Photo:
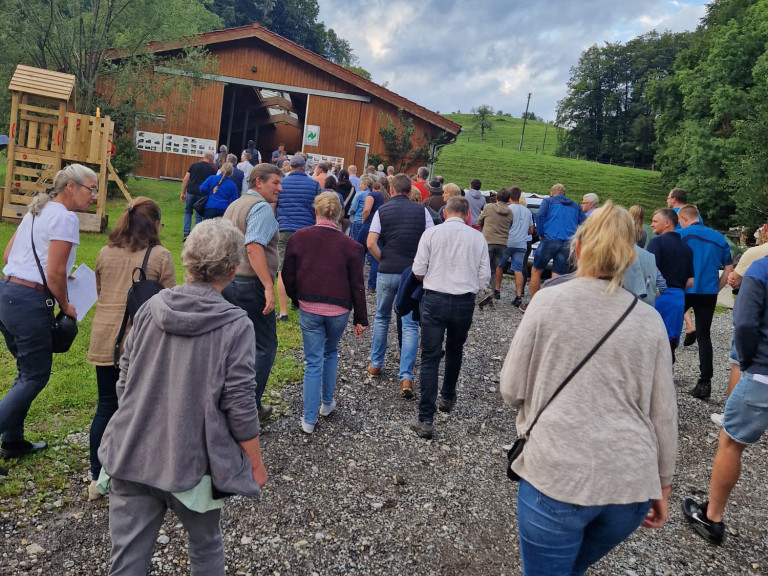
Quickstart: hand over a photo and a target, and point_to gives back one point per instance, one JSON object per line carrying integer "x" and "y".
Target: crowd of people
{"x": 185, "y": 434}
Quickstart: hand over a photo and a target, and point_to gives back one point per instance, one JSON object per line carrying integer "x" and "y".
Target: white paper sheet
{"x": 81, "y": 288}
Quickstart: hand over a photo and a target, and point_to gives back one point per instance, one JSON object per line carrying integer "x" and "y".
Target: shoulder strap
{"x": 49, "y": 301}
{"x": 584, "y": 361}
{"x": 124, "y": 323}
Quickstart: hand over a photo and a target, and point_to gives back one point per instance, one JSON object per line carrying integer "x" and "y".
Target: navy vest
{"x": 402, "y": 224}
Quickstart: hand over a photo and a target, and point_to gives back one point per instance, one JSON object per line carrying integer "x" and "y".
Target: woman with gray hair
{"x": 48, "y": 232}
{"x": 186, "y": 432}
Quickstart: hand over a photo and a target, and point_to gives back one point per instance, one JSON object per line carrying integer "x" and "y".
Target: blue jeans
{"x": 25, "y": 323}
{"x": 442, "y": 315}
{"x": 188, "y": 211}
{"x": 106, "y": 382}
{"x": 556, "y": 250}
{"x": 386, "y": 290}
{"x": 321, "y": 335}
{"x": 561, "y": 538}
{"x": 248, "y": 294}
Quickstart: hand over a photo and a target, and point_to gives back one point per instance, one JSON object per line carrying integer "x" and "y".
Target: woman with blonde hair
{"x": 591, "y": 369}
{"x": 221, "y": 192}
{"x": 134, "y": 242}
{"x": 38, "y": 258}
{"x": 638, "y": 215}
{"x": 323, "y": 270}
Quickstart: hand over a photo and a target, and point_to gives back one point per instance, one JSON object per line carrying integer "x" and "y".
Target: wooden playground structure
{"x": 44, "y": 137}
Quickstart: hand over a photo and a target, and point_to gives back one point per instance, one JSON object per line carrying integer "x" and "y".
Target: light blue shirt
{"x": 260, "y": 224}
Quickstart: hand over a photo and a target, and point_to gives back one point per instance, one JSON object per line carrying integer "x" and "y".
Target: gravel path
{"x": 364, "y": 495}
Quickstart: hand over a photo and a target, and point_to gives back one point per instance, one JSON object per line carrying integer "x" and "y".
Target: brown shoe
{"x": 406, "y": 389}
{"x": 373, "y": 371}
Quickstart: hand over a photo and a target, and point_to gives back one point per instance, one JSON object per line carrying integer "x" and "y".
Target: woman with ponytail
{"x": 136, "y": 233}
{"x": 221, "y": 192}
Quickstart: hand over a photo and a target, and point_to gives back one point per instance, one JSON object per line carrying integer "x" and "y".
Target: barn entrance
{"x": 268, "y": 117}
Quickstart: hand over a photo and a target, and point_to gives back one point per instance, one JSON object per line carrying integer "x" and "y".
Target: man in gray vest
{"x": 253, "y": 287}
{"x": 399, "y": 225}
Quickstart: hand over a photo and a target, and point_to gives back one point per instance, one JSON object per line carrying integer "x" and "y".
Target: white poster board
{"x": 149, "y": 141}
{"x": 187, "y": 145}
{"x": 333, "y": 160}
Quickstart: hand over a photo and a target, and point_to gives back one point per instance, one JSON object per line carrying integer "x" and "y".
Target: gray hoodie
{"x": 476, "y": 203}
{"x": 186, "y": 395}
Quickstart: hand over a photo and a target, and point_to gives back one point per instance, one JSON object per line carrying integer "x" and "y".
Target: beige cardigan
{"x": 114, "y": 267}
{"x": 610, "y": 436}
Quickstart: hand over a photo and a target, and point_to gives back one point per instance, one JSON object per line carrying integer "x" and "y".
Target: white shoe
{"x": 93, "y": 491}
{"x": 717, "y": 419}
{"x": 326, "y": 409}
{"x": 307, "y": 428}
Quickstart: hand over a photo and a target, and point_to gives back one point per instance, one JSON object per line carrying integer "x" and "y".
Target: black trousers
{"x": 703, "y": 310}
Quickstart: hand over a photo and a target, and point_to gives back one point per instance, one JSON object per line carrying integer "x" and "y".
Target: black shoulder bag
{"x": 63, "y": 328}
{"x": 140, "y": 291}
{"x": 519, "y": 444}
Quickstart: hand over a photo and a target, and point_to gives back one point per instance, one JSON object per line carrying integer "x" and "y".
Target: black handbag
{"x": 63, "y": 327}
{"x": 517, "y": 446}
{"x": 199, "y": 205}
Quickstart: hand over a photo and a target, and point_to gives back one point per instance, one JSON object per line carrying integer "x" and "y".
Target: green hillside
{"x": 500, "y": 166}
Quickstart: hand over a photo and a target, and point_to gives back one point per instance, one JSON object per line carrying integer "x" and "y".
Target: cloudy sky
{"x": 450, "y": 55}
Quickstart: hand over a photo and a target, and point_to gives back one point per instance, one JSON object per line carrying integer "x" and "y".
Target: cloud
{"x": 449, "y": 55}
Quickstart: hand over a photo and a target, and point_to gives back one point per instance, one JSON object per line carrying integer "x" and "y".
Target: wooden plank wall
{"x": 342, "y": 122}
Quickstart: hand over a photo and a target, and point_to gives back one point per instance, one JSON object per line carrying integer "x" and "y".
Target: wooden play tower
{"x": 44, "y": 137}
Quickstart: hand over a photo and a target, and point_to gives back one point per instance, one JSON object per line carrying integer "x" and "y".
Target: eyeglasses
{"x": 91, "y": 189}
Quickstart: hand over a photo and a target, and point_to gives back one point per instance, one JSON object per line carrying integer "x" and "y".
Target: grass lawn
{"x": 500, "y": 166}
{"x": 68, "y": 402}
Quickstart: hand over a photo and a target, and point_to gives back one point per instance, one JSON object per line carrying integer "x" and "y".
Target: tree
{"x": 482, "y": 119}
{"x": 531, "y": 116}
{"x": 295, "y": 20}
{"x": 402, "y": 150}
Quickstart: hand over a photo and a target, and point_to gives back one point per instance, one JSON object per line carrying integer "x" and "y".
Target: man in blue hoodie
{"x": 556, "y": 222}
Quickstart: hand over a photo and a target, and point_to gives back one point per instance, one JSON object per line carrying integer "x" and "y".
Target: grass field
{"x": 500, "y": 166}
{"x": 67, "y": 403}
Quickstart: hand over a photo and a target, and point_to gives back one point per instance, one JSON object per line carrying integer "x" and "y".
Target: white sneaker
{"x": 326, "y": 409}
{"x": 307, "y": 428}
{"x": 717, "y": 419}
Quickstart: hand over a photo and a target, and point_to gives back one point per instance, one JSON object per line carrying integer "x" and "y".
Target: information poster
{"x": 149, "y": 141}
{"x": 187, "y": 145}
{"x": 334, "y": 160}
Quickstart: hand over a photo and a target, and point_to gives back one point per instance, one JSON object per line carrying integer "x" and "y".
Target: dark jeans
{"x": 106, "y": 382}
{"x": 26, "y": 326}
{"x": 703, "y": 310}
{"x": 442, "y": 315}
{"x": 213, "y": 213}
{"x": 248, "y": 294}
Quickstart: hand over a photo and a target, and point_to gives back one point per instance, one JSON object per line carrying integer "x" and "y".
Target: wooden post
{"x": 11, "y": 149}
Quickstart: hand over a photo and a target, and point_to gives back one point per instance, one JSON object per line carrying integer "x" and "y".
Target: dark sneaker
{"x": 523, "y": 307}
{"x": 702, "y": 390}
{"x": 690, "y": 338}
{"x": 282, "y": 317}
{"x": 294, "y": 305}
{"x": 445, "y": 404}
{"x": 517, "y": 302}
{"x": 485, "y": 300}
{"x": 21, "y": 448}
{"x": 422, "y": 429}
{"x": 696, "y": 514}
{"x": 496, "y": 295}
{"x": 265, "y": 411}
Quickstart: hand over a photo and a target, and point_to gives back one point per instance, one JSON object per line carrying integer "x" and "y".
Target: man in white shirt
{"x": 246, "y": 166}
{"x": 452, "y": 261}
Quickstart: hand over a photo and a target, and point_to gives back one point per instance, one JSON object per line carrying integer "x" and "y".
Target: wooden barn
{"x": 272, "y": 91}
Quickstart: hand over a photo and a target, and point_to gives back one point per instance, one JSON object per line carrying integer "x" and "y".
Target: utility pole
{"x": 525, "y": 117}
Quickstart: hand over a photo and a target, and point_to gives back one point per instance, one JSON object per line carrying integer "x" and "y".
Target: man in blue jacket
{"x": 710, "y": 253}
{"x": 295, "y": 210}
{"x": 746, "y": 416}
{"x": 556, "y": 222}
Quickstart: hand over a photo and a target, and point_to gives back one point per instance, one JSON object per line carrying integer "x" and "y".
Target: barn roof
{"x": 256, "y": 31}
